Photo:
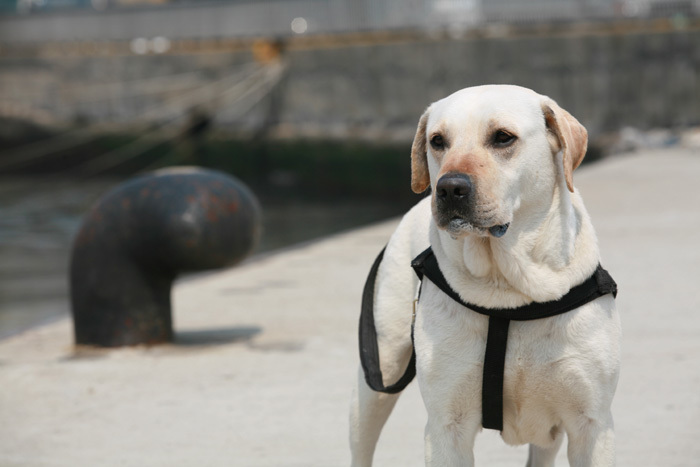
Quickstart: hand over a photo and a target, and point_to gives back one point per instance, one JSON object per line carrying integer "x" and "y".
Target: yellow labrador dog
{"x": 507, "y": 228}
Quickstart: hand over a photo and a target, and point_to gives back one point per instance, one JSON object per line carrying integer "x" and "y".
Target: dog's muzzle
{"x": 455, "y": 202}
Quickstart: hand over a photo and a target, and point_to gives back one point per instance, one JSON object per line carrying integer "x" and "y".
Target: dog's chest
{"x": 544, "y": 369}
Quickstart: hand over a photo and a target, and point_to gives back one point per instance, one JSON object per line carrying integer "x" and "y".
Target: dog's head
{"x": 489, "y": 151}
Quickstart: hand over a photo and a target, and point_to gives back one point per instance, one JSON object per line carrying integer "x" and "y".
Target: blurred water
{"x": 38, "y": 219}
{"x": 37, "y": 222}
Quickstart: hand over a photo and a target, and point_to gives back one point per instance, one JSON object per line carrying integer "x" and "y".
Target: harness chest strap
{"x": 426, "y": 265}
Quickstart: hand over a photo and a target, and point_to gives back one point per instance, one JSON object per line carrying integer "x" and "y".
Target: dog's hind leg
{"x": 544, "y": 457}
{"x": 369, "y": 411}
{"x": 394, "y": 291}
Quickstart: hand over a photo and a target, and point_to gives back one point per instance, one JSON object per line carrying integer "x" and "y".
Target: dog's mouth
{"x": 458, "y": 226}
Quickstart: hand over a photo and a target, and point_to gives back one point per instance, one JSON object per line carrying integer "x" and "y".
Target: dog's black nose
{"x": 453, "y": 188}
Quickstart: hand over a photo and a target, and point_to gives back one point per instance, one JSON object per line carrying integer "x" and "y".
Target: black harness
{"x": 426, "y": 265}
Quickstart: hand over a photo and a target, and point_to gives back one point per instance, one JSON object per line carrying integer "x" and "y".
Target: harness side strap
{"x": 369, "y": 349}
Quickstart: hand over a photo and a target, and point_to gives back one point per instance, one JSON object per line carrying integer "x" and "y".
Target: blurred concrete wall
{"x": 354, "y": 87}
{"x": 606, "y": 80}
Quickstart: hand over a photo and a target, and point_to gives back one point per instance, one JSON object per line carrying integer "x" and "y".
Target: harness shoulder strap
{"x": 599, "y": 284}
{"x": 369, "y": 349}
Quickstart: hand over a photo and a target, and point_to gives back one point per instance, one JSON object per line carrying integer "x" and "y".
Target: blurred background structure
{"x": 339, "y": 68}
{"x": 313, "y": 103}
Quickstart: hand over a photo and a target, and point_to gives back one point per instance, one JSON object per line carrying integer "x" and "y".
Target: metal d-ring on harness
{"x": 426, "y": 265}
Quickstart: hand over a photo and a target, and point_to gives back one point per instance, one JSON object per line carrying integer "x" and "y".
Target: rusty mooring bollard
{"x": 139, "y": 236}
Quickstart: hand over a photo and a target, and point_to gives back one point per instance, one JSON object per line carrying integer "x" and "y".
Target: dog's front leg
{"x": 545, "y": 456}
{"x": 592, "y": 442}
{"x": 450, "y": 442}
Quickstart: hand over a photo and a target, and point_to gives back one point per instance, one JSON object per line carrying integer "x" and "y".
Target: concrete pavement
{"x": 266, "y": 353}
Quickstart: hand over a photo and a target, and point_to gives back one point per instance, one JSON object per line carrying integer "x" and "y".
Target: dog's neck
{"x": 545, "y": 253}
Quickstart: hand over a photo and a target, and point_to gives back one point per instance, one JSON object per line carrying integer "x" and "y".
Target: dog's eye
{"x": 503, "y": 138}
{"x": 437, "y": 142}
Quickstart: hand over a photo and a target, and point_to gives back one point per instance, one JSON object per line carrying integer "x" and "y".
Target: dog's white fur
{"x": 560, "y": 372}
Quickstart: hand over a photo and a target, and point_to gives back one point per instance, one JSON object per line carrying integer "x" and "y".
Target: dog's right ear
{"x": 420, "y": 177}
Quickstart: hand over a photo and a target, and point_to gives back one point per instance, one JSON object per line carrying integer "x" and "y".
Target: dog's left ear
{"x": 420, "y": 177}
{"x": 572, "y": 136}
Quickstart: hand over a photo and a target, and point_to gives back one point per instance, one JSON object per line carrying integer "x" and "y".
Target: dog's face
{"x": 488, "y": 151}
